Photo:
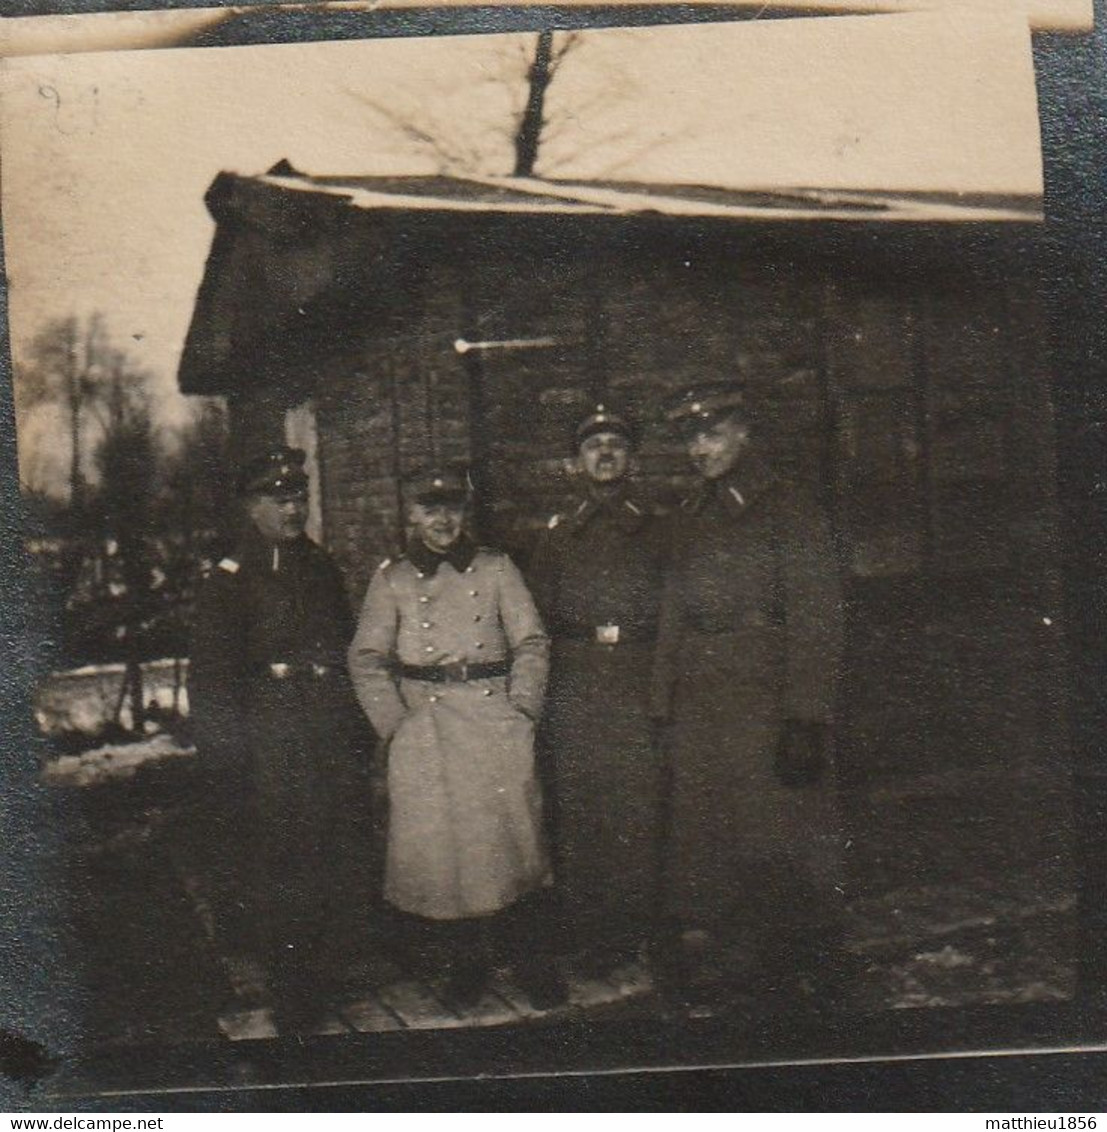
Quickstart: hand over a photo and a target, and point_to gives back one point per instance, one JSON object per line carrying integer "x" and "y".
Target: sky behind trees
{"x": 107, "y": 156}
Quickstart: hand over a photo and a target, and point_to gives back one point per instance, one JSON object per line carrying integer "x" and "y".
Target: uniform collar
{"x": 460, "y": 556}
{"x": 735, "y": 492}
{"x": 616, "y": 506}
{"x": 259, "y": 553}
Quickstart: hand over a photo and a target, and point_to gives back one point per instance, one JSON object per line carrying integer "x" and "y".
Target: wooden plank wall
{"x": 911, "y": 389}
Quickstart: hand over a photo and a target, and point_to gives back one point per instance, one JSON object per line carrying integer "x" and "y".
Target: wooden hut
{"x": 895, "y": 344}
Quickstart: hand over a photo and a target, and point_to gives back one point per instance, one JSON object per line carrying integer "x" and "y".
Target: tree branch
{"x": 409, "y": 128}
{"x": 568, "y": 41}
{"x": 529, "y": 133}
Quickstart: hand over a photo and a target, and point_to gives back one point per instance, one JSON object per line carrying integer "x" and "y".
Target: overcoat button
{"x": 433, "y": 699}
{"x": 429, "y": 648}
{"x": 426, "y": 624}
{"x": 424, "y": 599}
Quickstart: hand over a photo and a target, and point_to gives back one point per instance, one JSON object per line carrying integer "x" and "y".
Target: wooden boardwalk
{"x": 983, "y": 941}
{"x": 412, "y": 1004}
{"x": 391, "y": 999}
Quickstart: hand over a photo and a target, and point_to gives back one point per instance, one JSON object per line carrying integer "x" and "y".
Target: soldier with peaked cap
{"x": 275, "y": 719}
{"x": 596, "y": 574}
{"x": 450, "y": 662}
{"x": 748, "y": 654}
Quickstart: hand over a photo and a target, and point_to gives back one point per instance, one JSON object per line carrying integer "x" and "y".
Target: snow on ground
{"x": 112, "y": 761}
{"x": 84, "y": 699}
{"x": 935, "y": 920}
{"x": 977, "y": 941}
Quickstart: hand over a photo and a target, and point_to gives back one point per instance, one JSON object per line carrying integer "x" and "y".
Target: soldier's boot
{"x": 528, "y": 938}
{"x": 470, "y": 963}
{"x": 299, "y": 1006}
{"x": 299, "y": 979}
{"x": 602, "y": 960}
{"x": 298, "y": 1018}
{"x": 467, "y": 984}
{"x": 615, "y": 942}
{"x": 543, "y": 984}
{"x": 688, "y": 983}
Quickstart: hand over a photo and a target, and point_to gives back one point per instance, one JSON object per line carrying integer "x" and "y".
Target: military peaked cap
{"x": 437, "y": 485}
{"x": 701, "y": 406}
{"x": 603, "y": 420}
{"x": 278, "y": 471}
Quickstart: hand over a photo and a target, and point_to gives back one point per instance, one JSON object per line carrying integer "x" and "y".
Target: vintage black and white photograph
{"x": 551, "y": 540}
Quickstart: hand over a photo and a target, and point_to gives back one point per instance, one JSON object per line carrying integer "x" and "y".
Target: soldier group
{"x": 625, "y": 750}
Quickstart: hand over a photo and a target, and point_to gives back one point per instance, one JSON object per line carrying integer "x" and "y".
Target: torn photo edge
{"x": 1050, "y": 110}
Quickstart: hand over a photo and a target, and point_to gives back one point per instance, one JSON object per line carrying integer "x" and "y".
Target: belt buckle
{"x": 607, "y": 634}
{"x": 457, "y": 670}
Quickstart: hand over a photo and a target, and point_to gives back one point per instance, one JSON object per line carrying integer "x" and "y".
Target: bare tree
{"x": 540, "y": 73}
{"x": 66, "y": 360}
{"x": 525, "y": 76}
{"x": 144, "y": 505}
{"x": 127, "y": 461}
{"x": 197, "y": 496}
{"x": 197, "y": 509}
{"x": 113, "y": 480}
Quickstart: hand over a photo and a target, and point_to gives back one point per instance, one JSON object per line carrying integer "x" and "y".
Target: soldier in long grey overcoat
{"x": 449, "y": 662}
{"x": 276, "y": 725}
{"x": 596, "y": 574}
{"x": 749, "y": 650}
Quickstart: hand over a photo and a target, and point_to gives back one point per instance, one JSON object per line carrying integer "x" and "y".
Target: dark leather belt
{"x": 287, "y": 670}
{"x": 594, "y": 634}
{"x": 456, "y": 672}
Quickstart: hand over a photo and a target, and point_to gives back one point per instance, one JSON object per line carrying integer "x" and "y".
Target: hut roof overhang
{"x": 289, "y": 210}
{"x": 627, "y": 199}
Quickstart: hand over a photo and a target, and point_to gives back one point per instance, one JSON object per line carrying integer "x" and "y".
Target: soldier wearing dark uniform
{"x": 274, "y": 719}
{"x": 596, "y": 574}
{"x": 748, "y": 655}
{"x": 450, "y": 662}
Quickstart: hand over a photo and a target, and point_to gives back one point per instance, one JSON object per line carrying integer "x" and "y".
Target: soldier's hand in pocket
{"x": 524, "y": 712}
{"x": 802, "y": 758}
